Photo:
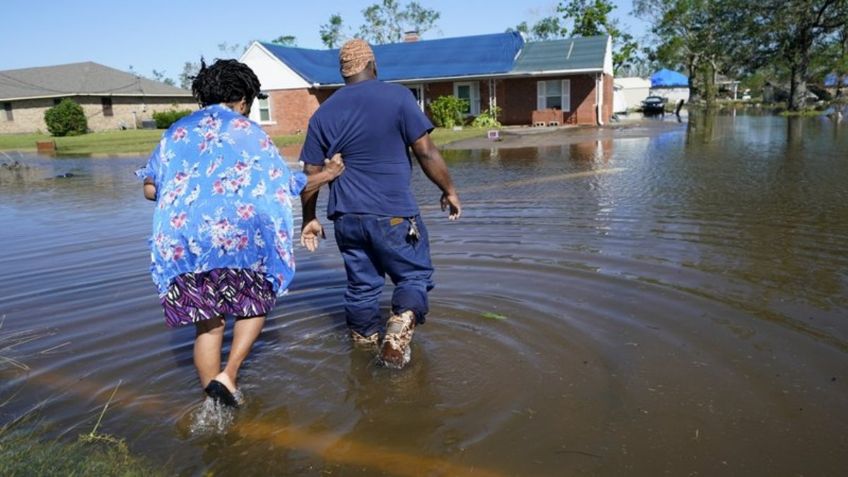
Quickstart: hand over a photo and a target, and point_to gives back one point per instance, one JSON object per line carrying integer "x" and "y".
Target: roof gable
{"x": 80, "y": 79}
{"x": 443, "y": 58}
{"x": 578, "y": 53}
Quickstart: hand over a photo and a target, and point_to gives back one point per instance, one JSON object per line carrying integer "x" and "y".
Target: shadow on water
{"x": 662, "y": 300}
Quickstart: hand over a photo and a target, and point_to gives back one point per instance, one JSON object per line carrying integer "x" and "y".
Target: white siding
{"x": 272, "y": 73}
{"x": 608, "y": 57}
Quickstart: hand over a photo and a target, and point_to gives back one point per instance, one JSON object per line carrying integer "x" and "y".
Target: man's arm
{"x": 436, "y": 170}
{"x": 311, "y": 230}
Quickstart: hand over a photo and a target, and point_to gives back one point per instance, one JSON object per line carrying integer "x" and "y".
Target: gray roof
{"x": 79, "y": 79}
{"x": 578, "y": 53}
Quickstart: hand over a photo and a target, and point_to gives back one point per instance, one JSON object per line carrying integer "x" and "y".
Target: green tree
{"x": 331, "y": 32}
{"x": 592, "y": 18}
{"x": 285, "y": 40}
{"x": 160, "y": 76}
{"x": 387, "y": 21}
{"x": 190, "y": 69}
{"x": 697, "y": 35}
{"x": 792, "y": 35}
{"x": 547, "y": 28}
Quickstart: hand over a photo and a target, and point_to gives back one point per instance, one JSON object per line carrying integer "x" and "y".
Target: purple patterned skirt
{"x": 194, "y": 297}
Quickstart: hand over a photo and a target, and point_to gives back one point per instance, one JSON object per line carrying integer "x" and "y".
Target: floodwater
{"x": 666, "y": 301}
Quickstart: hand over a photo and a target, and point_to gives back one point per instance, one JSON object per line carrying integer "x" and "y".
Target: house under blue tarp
{"x": 830, "y": 80}
{"x": 669, "y": 79}
{"x": 443, "y": 58}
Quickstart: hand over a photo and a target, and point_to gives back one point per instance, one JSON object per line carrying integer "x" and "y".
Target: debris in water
{"x": 493, "y": 316}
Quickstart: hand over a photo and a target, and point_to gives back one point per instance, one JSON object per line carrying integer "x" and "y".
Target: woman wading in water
{"x": 222, "y": 226}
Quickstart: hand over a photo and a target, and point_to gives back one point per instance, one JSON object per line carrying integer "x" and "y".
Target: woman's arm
{"x": 149, "y": 189}
{"x": 332, "y": 168}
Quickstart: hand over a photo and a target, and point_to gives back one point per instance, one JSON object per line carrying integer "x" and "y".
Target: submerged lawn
{"x": 23, "y": 453}
{"x": 144, "y": 140}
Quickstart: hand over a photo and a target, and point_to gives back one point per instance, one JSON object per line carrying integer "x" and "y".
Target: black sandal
{"x": 217, "y": 391}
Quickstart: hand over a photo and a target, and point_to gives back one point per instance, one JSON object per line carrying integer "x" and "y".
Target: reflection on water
{"x": 666, "y": 301}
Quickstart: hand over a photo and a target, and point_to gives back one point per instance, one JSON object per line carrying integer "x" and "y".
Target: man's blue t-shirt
{"x": 372, "y": 124}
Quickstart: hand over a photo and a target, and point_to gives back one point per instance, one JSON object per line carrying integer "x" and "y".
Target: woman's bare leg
{"x": 207, "y": 348}
{"x": 245, "y": 332}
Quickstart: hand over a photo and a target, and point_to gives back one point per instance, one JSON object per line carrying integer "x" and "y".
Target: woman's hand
{"x": 335, "y": 166}
{"x": 310, "y": 234}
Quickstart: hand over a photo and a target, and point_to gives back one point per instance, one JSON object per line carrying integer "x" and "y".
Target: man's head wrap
{"x": 354, "y": 57}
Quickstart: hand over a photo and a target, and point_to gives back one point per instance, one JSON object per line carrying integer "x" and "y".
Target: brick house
{"x": 567, "y": 81}
{"x": 111, "y": 99}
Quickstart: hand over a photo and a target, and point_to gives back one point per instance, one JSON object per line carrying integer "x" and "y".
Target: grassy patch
{"x": 142, "y": 141}
{"x": 807, "y": 112}
{"x": 109, "y": 142}
{"x": 23, "y": 454}
{"x": 442, "y": 136}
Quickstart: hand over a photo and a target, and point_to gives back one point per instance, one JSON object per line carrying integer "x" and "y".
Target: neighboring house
{"x": 671, "y": 85}
{"x": 551, "y": 82}
{"x": 631, "y": 91}
{"x": 111, "y": 99}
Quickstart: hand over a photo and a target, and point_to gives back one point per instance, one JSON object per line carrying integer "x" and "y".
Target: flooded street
{"x": 665, "y": 300}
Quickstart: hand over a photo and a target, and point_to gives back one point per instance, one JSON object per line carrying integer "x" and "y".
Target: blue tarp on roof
{"x": 830, "y": 80}
{"x": 668, "y": 79}
{"x": 443, "y": 58}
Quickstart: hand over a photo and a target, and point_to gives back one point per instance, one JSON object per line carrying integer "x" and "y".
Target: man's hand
{"x": 451, "y": 200}
{"x": 310, "y": 234}
{"x": 335, "y": 166}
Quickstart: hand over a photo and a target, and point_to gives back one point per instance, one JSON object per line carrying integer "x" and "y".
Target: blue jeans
{"x": 372, "y": 247}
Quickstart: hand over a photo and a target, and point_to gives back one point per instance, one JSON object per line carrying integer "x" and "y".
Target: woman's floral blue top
{"x": 223, "y": 199}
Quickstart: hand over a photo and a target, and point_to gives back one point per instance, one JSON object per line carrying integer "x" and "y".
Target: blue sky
{"x": 163, "y": 35}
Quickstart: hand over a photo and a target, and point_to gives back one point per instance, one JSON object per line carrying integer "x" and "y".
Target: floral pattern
{"x": 223, "y": 200}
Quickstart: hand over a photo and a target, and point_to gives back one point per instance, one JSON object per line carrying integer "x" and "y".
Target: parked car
{"x": 653, "y": 105}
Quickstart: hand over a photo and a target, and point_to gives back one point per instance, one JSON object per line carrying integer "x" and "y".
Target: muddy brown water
{"x": 666, "y": 301}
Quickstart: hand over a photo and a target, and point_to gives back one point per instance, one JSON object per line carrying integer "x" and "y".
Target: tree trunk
{"x": 798, "y": 86}
{"x": 694, "y": 91}
{"x": 709, "y": 86}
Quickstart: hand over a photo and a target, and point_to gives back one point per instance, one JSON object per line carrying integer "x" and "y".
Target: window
{"x": 470, "y": 92}
{"x": 553, "y": 94}
{"x": 107, "y": 106}
{"x": 8, "y": 108}
{"x": 264, "y": 109}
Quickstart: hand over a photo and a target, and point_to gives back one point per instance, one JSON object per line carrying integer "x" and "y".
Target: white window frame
{"x": 256, "y": 111}
{"x": 420, "y": 88}
{"x": 565, "y": 94}
{"x": 474, "y": 91}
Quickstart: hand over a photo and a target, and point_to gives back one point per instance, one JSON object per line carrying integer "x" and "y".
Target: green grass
{"x": 111, "y": 142}
{"x": 22, "y": 453}
{"x": 143, "y": 141}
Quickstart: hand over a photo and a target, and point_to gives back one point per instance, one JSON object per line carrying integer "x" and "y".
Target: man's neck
{"x": 359, "y": 78}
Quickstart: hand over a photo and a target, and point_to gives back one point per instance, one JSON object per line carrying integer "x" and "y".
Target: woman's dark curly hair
{"x": 226, "y": 81}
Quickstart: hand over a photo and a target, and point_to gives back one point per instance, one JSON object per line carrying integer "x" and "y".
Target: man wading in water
{"x": 377, "y": 225}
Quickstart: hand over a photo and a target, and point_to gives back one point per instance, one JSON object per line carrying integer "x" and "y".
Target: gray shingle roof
{"x": 579, "y": 53}
{"x": 79, "y": 79}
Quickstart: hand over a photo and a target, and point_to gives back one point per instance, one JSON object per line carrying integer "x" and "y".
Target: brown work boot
{"x": 371, "y": 342}
{"x": 396, "y": 350}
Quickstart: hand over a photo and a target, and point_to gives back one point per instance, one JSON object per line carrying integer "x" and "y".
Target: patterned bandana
{"x": 354, "y": 57}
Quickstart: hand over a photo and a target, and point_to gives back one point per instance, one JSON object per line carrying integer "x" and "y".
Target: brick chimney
{"x": 411, "y": 36}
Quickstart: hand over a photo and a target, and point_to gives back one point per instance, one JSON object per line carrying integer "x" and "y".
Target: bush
{"x": 447, "y": 111}
{"x": 66, "y": 119}
{"x": 164, "y": 119}
{"x": 487, "y": 119}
